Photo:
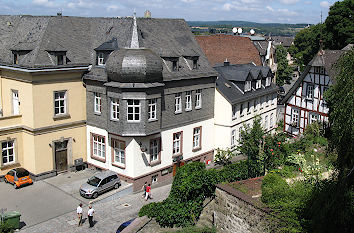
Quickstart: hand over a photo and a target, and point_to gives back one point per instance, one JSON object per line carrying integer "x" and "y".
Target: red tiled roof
{"x": 236, "y": 49}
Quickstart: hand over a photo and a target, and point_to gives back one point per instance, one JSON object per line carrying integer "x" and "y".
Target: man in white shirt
{"x": 79, "y": 214}
{"x": 90, "y": 215}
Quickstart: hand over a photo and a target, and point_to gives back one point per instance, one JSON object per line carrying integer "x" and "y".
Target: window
{"x": 256, "y": 102}
{"x": 316, "y": 69}
{"x": 241, "y": 110}
{"x": 118, "y": 152}
{"x": 177, "y": 143}
{"x": 322, "y": 70}
{"x": 274, "y": 100}
{"x": 114, "y": 109}
{"x": 133, "y": 107}
{"x": 15, "y": 103}
{"x": 313, "y": 118}
{"x": 155, "y": 149}
{"x": 249, "y": 107}
{"x": 60, "y": 59}
{"x": 234, "y": 111}
{"x": 152, "y": 109}
{"x": 266, "y": 122}
{"x": 258, "y": 84}
{"x": 248, "y": 86}
{"x": 233, "y": 137}
{"x": 198, "y": 98}
{"x": 15, "y": 58}
{"x": 295, "y": 117}
{"x": 267, "y": 101}
{"x": 197, "y": 137}
{"x": 97, "y": 102}
{"x": 195, "y": 64}
{"x": 271, "y": 120}
{"x": 262, "y": 102}
{"x": 8, "y": 153}
{"x": 188, "y": 100}
{"x": 174, "y": 65}
{"x": 268, "y": 80}
{"x": 178, "y": 103}
{"x": 154, "y": 179}
{"x": 240, "y": 133}
{"x": 59, "y": 102}
{"x": 309, "y": 92}
{"x": 100, "y": 59}
{"x": 98, "y": 146}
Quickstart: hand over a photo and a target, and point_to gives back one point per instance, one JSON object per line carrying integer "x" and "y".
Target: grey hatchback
{"x": 99, "y": 183}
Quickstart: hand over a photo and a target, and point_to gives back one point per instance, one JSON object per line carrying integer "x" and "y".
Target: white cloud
{"x": 113, "y": 8}
{"x": 80, "y": 4}
{"x": 308, "y": 2}
{"x": 289, "y": 1}
{"x": 287, "y": 12}
{"x": 45, "y": 3}
{"x": 269, "y": 8}
{"x": 187, "y": 1}
{"x": 325, "y": 4}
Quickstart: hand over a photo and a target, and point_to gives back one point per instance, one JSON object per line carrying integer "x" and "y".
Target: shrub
{"x": 195, "y": 229}
{"x": 5, "y": 227}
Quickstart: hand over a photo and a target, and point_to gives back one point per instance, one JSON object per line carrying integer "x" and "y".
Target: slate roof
{"x": 261, "y": 46}
{"x": 230, "y": 82}
{"x": 236, "y": 49}
{"x": 325, "y": 58}
{"x": 80, "y": 36}
{"x": 285, "y": 41}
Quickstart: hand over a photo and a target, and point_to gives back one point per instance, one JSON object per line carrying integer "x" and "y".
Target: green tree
{"x": 284, "y": 71}
{"x": 250, "y": 145}
{"x": 340, "y": 98}
{"x": 340, "y": 24}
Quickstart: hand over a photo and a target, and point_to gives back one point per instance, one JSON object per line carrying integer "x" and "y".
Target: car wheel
{"x": 15, "y": 186}
{"x": 116, "y": 185}
{"x": 6, "y": 181}
{"x": 94, "y": 195}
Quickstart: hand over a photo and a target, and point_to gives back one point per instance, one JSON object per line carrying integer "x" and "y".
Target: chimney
{"x": 226, "y": 62}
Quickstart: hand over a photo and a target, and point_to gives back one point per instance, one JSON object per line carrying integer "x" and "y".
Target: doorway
{"x": 61, "y": 155}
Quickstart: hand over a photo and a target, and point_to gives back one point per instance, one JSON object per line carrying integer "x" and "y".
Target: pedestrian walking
{"x": 79, "y": 214}
{"x": 144, "y": 189}
{"x": 148, "y": 192}
{"x": 90, "y": 215}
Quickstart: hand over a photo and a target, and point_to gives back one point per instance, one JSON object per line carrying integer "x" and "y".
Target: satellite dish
{"x": 252, "y": 31}
{"x": 234, "y": 30}
{"x": 239, "y": 30}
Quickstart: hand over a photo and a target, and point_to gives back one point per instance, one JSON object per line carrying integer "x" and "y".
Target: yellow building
{"x": 42, "y": 127}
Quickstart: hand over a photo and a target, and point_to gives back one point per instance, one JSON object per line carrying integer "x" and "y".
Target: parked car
{"x": 100, "y": 183}
{"x": 18, "y": 177}
{"x": 124, "y": 225}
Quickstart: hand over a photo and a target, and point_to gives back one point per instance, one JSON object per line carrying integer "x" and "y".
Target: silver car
{"x": 99, "y": 183}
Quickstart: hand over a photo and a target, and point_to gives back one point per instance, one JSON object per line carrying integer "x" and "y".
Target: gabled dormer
{"x": 248, "y": 82}
{"x": 103, "y": 51}
{"x": 58, "y": 58}
{"x": 258, "y": 81}
{"x": 172, "y": 63}
{"x": 192, "y": 62}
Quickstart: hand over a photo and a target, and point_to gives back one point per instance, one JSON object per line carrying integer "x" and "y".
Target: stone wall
{"x": 236, "y": 212}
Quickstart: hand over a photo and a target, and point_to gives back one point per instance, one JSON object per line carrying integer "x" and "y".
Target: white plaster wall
{"x": 101, "y": 132}
{"x": 222, "y": 110}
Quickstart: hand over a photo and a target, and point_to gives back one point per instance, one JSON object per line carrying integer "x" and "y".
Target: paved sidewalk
{"x": 108, "y": 215}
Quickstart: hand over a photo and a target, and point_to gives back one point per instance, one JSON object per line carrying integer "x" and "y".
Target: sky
{"x": 260, "y": 11}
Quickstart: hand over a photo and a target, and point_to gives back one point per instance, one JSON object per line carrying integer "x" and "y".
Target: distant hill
{"x": 261, "y": 28}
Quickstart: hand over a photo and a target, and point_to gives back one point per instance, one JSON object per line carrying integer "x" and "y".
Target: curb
{"x": 100, "y": 198}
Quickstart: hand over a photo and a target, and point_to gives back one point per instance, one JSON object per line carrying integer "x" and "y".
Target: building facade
{"x": 304, "y": 102}
{"x": 242, "y": 93}
{"x": 150, "y": 102}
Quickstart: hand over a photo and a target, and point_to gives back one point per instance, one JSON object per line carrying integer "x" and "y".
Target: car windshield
{"x": 22, "y": 173}
{"x": 94, "y": 181}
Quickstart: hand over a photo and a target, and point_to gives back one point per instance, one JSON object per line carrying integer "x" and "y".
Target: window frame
{"x": 7, "y": 152}
{"x": 178, "y": 102}
{"x": 293, "y": 116}
{"x": 156, "y": 161}
{"x": 120, "y": 150}
{"x": 310, "y": 92}
{"x": 65, "y": 99}
{"x": 180, "y": 140}
{"x": 97, "y": 103}
{"x": 233, "y": 137}
{"x": 234, "y": 111}
{"x": 311, "y": 115}
{"x": 266, "y": 122}
{"x": 248, "y": 107}
{"x": 198, "y": 99}
{"x": 258, "y": 83}
{"x": 195, "y": 64}
{"x": 188, "y": 98}
{"x": 199, "y": 146}
{"x": 134, "y": 107}
{"x": 271, "y": 120}
{"x": 241, "y": 110}
{"x": 103, "y": 145}
{"x": 114, "y": 109}
{"x": 268, "y": 81}
{"x": 248, "y": 85}
{"x": 100, "y": 60}
{"x": 152, "y": 109}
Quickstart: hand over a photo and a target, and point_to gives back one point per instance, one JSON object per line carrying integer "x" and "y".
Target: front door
{"x": 61, "y": 156}
{"x": 15, "y": 103}
{"x": 177, "y": 165}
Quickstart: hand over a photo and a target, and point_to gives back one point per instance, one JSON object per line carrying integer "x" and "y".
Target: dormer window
{"x": 100, "y": 59}
{"x": 17, "y": 54}
{"x": 248, "y": 86}
{"x": 268, "y": 80}
{"x": 258, "y": 84}
{"x": 15, "y": 59}
{"x": 195, "y": 64}
{"x": 60, "y": 59}
{"x": 174, "y": 65}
